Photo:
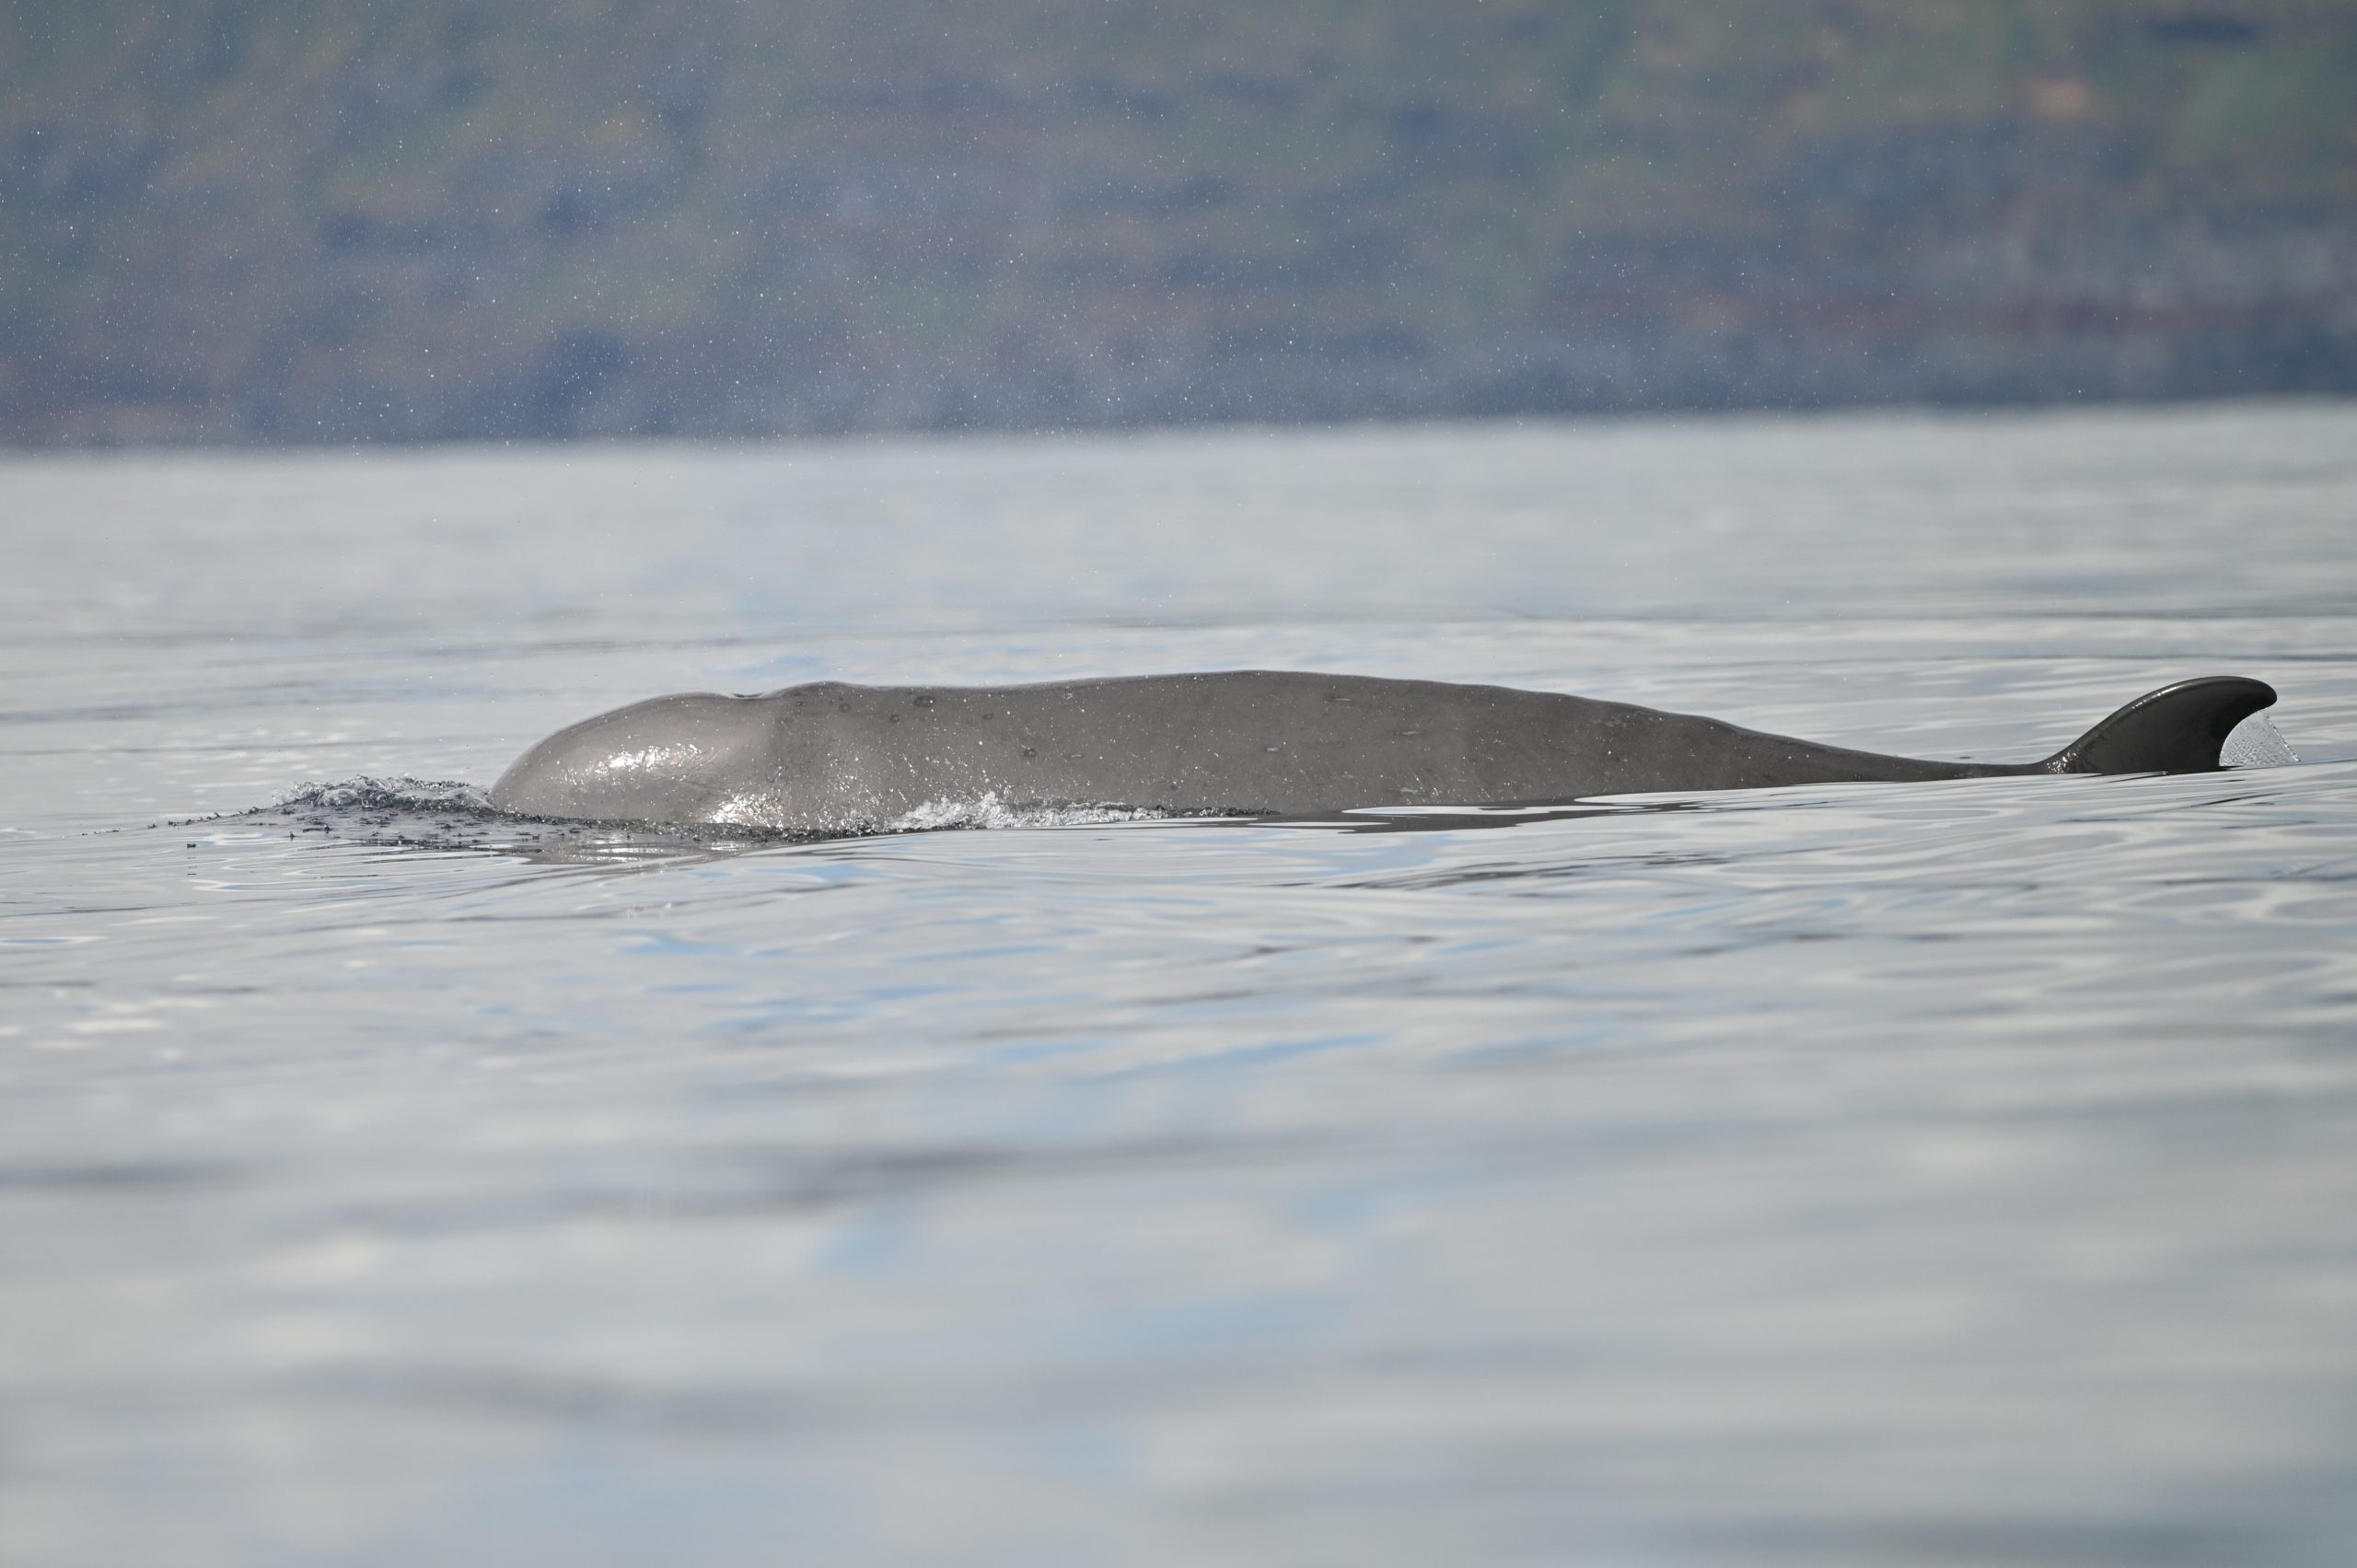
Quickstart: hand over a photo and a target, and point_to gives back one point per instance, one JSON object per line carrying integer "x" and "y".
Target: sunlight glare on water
{"x": 1925, "y": 1174}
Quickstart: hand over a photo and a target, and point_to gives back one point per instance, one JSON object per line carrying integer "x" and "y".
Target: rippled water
{"x": 1938, "y": 1174}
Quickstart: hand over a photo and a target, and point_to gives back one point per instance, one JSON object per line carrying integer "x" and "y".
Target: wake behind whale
{"x": 830, "y": 757}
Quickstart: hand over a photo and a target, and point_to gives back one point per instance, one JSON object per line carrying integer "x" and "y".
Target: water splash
{"x": 990, "y": 811}
{"x": 2256, "y": 743}
{"x": 366, "y": 793}
{"x": 448, "y": 814}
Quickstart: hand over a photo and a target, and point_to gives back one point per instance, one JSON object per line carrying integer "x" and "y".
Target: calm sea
{"x": 1947, "y": 1174}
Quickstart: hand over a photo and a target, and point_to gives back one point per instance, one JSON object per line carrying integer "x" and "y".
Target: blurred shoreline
{"x": 259, "y": 222}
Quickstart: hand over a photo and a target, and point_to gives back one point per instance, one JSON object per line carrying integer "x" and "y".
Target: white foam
{"x": 990, "y": 811}
{"x": 2256, "y": 744}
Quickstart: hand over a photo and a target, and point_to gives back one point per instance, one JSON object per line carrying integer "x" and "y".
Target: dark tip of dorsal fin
{"x": 2178, "y": 729}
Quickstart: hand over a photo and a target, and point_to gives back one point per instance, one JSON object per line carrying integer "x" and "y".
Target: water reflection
{"x": 1918, "y": 1174}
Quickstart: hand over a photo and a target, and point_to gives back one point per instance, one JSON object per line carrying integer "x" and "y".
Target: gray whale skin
{"x": 829, "y": 757}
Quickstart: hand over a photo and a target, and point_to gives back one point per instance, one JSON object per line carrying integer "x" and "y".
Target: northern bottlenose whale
{"x": 835, "y": 758}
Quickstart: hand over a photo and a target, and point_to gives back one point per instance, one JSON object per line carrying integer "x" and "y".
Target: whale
{"x": 833, "y": 758}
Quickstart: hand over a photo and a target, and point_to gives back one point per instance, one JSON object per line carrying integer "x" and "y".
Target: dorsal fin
{"x": 2178, "y": 729}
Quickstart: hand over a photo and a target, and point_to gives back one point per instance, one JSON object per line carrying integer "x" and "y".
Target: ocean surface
{"x": 1938, "y": 1174}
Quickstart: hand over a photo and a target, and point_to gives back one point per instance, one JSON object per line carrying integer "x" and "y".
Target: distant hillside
{"x": 297, "y": 220}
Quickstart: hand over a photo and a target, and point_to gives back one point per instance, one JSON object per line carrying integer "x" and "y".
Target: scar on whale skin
{"x": 833, "y": 757}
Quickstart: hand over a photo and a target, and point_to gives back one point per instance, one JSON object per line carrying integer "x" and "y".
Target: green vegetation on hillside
{"x": 271, "y": 219}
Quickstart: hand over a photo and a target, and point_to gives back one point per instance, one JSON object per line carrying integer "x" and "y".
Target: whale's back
{"x": 837, "y": 758}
